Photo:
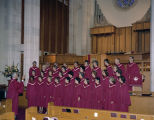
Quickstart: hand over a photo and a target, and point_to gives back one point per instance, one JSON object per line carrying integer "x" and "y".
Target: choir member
{"x": 94, "y": 75}
{"x": 34, "y": 68}
{"x": 97, "y": 95}
{"x": 77, "y": 93}
{"x": 97, "y": 69}
{"x": 124, "y": 97}
{"x": 48, "y": 68}
{"x": 87, "y": 69}
{"x": 71, "y": 75}
{"x": 14, "y": 89}
{"x": 49, "y": 90}
{"x": 118, "y": 74}
{"x": 50, "y": 73}
{"x": 111, "y": 101}
{"x": 55, "y": 72}
{"x": 45, "y": 72}
{"x": 105, "y": 83}
{"x": 81, "y": 76}
{"x": 62, "y": 78}
{"x": 108, "y": 67}
{"x": 120, "y": 66}
{"x": 76, "y": 69}
{"x": 57, "y": 95}
{"x": 68, "y": 93}
{"x": 40, "y": 96}
{"x": 31, "y": 92}
{"x": 64, "y": 71}
{"x": 67, "y": 69}
{"x": 115, "y": 68}
{"x": 82, "y": 69}
{"x": 86, "y": 96}
{"x": 134, "y": 78}
{"x": 34, "y": 75}
{"x": 56, "y": 64}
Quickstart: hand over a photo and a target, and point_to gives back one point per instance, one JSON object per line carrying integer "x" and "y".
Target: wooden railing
{"x": 70, "y": 113}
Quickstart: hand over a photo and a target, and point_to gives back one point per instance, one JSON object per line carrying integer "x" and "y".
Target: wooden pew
{"x": 6, "y": 110}
{"x": 7, "y": 116}
{"x": 70, "y": 113}
{"x": 6, "y": 106}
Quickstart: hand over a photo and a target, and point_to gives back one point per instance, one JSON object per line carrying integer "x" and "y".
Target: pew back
{"x": 70, "y": 113}
{"x": 7, "y": 116}
{"x": 6, "y": 106}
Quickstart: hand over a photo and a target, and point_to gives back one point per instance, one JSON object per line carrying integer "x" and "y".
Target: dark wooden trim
{"x": 56, "y": 29}
{"x": 62, "y": 38}
{"x": 22, "y": 21}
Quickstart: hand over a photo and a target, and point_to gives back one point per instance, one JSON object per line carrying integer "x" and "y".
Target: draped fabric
{"x": 151, "y": 47}
{"x": 10, "y": 34}
{"x": 31, "y": 34}
{"x": 81, "y": 19}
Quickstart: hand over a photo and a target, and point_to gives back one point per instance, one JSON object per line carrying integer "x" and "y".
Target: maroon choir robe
{"x": 14, "y": 89}
{"x": 65, "y": 74}
{"x": 88, "y": 72}
{"x": 35, "y": 78}
{"x": 67, "y": 69}
{"x": 99, "y": 72}
{"x": 105, "y": 86}
{"x": 68, "y": 94}
{"x": 62, "y": 81}
{"x": 40, "y": 96}
{"x": 37, "y": 71}
{"x": 110, "y": 70}
{"x": 134, "y": 78}
{"x": 49, "y": 90}
{"x": 111, "y": 101}
{"x": 124, "y": 98}
{"x": 77, "y": 95}
{"x": 122, "y": 68}
{"x": 55, "y": 73}
{"x": 98, "y": 96}
{"x": 72, "y": 80}
{"x": 44, "y": 79}
{"x": 76, "y": 72}
{"x": 86, "y": 96}
{"x": 47, "y": 70}
{"x": 58, "y": 94}
{"x": 31, "y": 93}
{"x": 45, "y": 73}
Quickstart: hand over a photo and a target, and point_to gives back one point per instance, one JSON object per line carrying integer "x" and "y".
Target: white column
{"x": 81, "y": 17}
{"x": 152, "y": 46}
{"x": 10, "y": 34}
{"x": 31, "y": 34}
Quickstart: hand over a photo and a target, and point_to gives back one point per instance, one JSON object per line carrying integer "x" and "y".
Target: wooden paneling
{"x": 61, "y": 58}
{"x": 142, "y": 105}
{"x": 103, "y": 30}
{"x": 126, "y": 39}
{"x": 117, "y": 41}
{"x": 54, "y": 26}
{"x": 122, "y": 39}
{"x": 147, "y": 41}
